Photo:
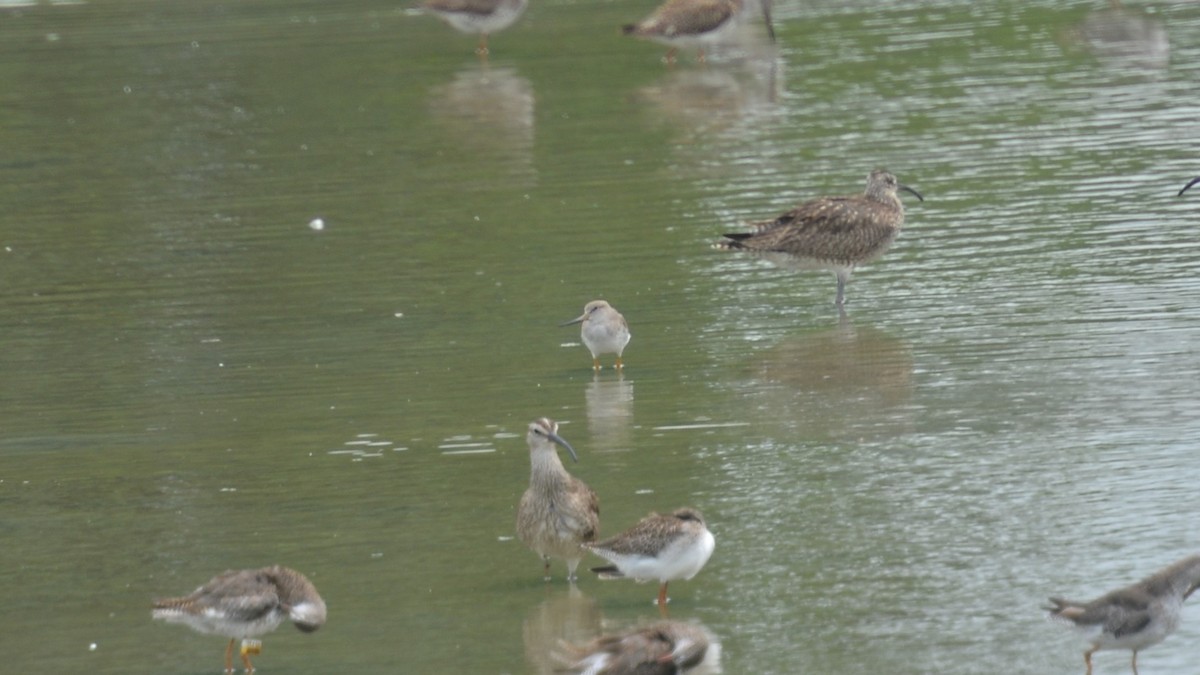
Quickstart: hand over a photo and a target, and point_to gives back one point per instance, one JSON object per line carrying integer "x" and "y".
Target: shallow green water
{"x": 196, "y": 380}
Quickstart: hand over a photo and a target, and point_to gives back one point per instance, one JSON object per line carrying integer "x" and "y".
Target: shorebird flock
{"x": 832, "y": 233}
{"x": 679, "y": 24}
{"x": 558, "y": 516}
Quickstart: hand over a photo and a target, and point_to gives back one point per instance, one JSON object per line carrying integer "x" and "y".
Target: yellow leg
{"x": 596, "y": 364}
{"x": 619, "y": 364}
{"x": 482, "y": 49}
{"x": 250, "y": 647}
{"x": 229, "y": 656}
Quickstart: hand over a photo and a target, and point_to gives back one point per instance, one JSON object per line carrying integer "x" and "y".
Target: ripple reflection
{"x": 567, "y": 616}
{"x": 490, "y": 112}
{"x": 610, "y": 413}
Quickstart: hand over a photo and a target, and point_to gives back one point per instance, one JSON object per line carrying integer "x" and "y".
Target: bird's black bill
{"x": 1185, "y": 187}
{"x": 559, "y": 439}
{"x": 918, "y": 194}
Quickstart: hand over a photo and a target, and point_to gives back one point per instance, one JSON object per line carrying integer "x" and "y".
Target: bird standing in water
{"x": 1134, "y": 617}
{"x": 659, "y": 547}
{"x": 477, "y": 16}
{"x": 559, "y": 512}
{"x": 245, "y": 604}
{"x": 604, "y": 331}
{"x": 694, "y": 23}
{"x": 834, "y": 233}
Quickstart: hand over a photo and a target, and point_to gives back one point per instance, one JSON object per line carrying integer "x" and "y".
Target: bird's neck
{"x": 886, "y": 199}
{"x": 1179, "y": 581}
{"x": 546, "y": 469}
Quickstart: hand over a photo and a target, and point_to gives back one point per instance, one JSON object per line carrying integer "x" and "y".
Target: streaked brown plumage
{"x": 477, "y": 16}
{"x": 693, "y": 23}
{"x": 658, "y": 548}
{"x": 558, "y": 512}
{"x": 663, "y": 648}
{"x": 1134, "y": 617}
{"x": 835, "y": 233}
{"x": 244, "y": 604}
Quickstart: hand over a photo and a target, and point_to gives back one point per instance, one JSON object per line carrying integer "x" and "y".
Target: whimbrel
{"x": 558, "y": 513}
{"x": 834, "y": 233}
{"x": 604, "y": 331}
{"x": 659, "y": 547}
{"x": 245, "y": 604}
{"x": 1135, "y": 617}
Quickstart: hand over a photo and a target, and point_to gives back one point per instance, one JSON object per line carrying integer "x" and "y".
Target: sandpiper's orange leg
{"x": 1087, "y": 659}
{"x": 662, "y": 602}
{"x": 250, "y": 647}
{"x": 482, "y": 49}
{"x": 596, "y": 364}
{"x": 700, "y": 56}
{"x": 670, "y": 57}
{"x": 619, "y": 364}
{"x": 229, "y": 656}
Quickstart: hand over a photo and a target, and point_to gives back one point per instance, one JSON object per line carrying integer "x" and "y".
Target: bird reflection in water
{"x": 662, "y": 648}
{"x": 563, "y": 617}
{"x": 609, "y": 404}
{"x": 845, "y": 381}
{"x": 719, "y": 99}
{"x": 488, "y": 113}
{"x": 1125, "y": 38}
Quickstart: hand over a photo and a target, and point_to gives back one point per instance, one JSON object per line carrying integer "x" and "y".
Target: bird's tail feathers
{"x": 733, "y": 242}
{"x": 172, "y": 604}
{"x": 608, "y": 572}
{"x": 1064, "y": 609}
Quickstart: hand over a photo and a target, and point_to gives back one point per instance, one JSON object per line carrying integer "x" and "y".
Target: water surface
{"x": 196, "y": 380}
